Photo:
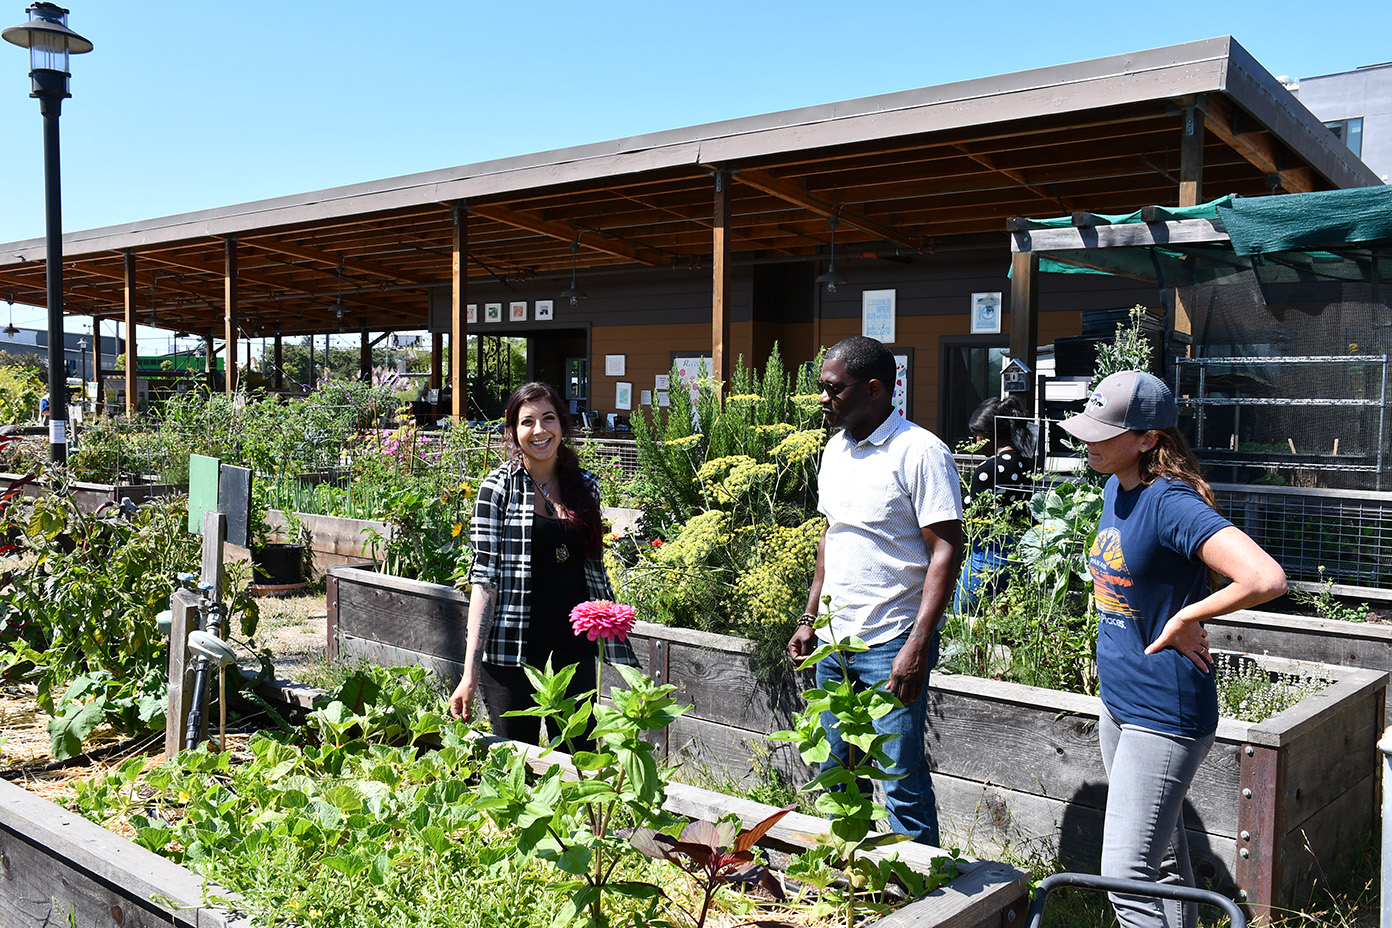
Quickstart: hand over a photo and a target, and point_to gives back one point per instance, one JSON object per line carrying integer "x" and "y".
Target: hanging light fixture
{"x": 10, "y": 330}
{"x": 831, "y": 279}
{"x": 339, "y": 307}
{"x": 574, "y": 294}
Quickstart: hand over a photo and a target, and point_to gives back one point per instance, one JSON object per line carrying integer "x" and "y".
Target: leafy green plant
{"x": 20, "y": 391}
{"x": 1326, "y": 605}
{"x": 573, "y": 824}
{"x": 78, "y": 617}
{"x": 846, "y": 797}
{"x": 1129, "y": 350}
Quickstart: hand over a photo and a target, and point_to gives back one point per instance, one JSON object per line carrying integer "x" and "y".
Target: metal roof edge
{"x": 1257, "y": 91}
{"x": 1198, "y": 66}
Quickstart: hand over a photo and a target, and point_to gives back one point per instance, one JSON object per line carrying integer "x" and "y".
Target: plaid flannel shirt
{"x": 501, "y": 534}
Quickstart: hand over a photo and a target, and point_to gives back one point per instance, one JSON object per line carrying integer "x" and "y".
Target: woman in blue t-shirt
{"x": 1159, "y": 538}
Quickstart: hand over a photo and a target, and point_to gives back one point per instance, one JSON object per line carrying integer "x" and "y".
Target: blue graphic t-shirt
{"x": 1145, "y": 568}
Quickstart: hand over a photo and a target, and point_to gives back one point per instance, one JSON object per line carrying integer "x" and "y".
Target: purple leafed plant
{"x": 714, "y": 853}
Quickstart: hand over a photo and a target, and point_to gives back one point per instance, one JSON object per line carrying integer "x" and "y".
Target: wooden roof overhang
{"x": 901, "y": 171}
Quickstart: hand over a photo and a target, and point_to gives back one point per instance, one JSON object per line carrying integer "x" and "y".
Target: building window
{"x": 1351, "y": 131}
{"x": 971, "y": 372}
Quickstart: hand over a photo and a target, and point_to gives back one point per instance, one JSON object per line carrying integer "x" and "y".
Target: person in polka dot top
{"x": 1004, "y": 476}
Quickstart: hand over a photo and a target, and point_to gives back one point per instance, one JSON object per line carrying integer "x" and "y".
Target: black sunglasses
{"x": 833, "y": 390}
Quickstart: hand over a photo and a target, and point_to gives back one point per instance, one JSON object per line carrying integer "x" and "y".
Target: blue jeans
{"x": 983, "y": 575}
{"x": 1148, "y": 775}
{"x": 912, "y": 807}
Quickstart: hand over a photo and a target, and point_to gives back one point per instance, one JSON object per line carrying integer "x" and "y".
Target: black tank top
{"x": 558, "y": 586}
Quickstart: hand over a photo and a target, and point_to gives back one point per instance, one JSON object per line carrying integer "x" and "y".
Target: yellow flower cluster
{"x": 775, "y": 586}
{"x": 697, "y": 539}
{"x": 776, "y": 431}
{"x": 685, "y": 443}
{"x": 800, "y": 447}
{"x": 745, "y": 398}
{"x": 732, "y": 478}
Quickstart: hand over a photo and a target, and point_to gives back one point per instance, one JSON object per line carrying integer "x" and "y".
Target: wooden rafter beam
{"x": 280, "y": 246}
{"x": 190, "y": 264}
{"x": 989, "y": 163}
{"x": 1258, "y": 146}
{"x": 563, "y": 232}
{"x": 790, "y": 192}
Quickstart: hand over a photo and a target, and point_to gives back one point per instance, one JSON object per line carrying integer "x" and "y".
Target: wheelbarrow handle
{"x": 1113, "y": 884}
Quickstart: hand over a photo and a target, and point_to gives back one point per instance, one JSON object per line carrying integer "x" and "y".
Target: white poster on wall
{"x": 690, "y": 371}
{"x": 877, "y": 315}
{"x": 985, "y": 313}
{"x": 901, "y": 384}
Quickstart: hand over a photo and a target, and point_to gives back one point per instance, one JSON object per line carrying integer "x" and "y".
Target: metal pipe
{"x": 1132, "y": 888}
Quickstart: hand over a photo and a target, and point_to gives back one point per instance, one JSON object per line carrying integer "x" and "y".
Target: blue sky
{"x": 202, "y": 103}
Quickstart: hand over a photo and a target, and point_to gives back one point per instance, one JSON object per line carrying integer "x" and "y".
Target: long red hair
{"x": 581, "y": 509}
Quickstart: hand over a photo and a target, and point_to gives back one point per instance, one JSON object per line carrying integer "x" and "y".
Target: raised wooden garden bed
{"x": 1015, "y": 767}
{"x": 336, "y": 540}
{"x": 1365, "y": 645}
{"x": 90, "y": 496}
{"x": 59, "y": 868}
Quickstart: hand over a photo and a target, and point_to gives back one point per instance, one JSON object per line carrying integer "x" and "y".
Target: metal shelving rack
{"x": 1320, "y": 462}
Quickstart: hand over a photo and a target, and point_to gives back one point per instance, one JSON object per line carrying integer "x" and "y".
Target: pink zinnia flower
{"x": 600, "y": 618}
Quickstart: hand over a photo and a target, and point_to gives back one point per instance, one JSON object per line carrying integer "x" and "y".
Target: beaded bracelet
{"x": 808, "y": 620}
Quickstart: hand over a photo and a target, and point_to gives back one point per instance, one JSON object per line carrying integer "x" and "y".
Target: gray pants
{"x": 1143, "y": 838}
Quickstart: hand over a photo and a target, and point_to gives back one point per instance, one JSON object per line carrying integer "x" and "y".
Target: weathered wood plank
{"x": 1320, "y": 767}
{"x": 56, "y": 863}
{"x": 981, "y": 739}
{"x": 378, "y": 608}
{"x": 1326, "y": 846}
{"x": 183, "y": 608}
{"x": 740, "y": 754}
{"x": 1028, "y": 827}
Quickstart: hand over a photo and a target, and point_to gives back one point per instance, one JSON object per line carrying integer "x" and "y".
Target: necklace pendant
{"x": 562, "y": 554}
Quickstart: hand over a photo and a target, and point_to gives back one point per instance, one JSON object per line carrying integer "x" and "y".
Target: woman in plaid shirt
{"x": 536, "y": 535}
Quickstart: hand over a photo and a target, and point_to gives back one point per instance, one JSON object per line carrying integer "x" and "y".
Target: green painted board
{"x": 203, "y": 490}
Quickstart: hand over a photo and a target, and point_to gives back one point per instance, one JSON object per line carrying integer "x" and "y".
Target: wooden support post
{"x": 721, "y": 362}
{"x": 209, "y": 361}
{"x": 331, "y": 625}
{"x": 364, "y": 357}
{"x": 1191, "y": 145}
{"x": 214, "y": 531}
{"x": 183, "y": 606}
{"x": 1259, "y": 850}
{"x": 132, "y": 366}
{"x": 1024, "y": 316}
{"x": 229, "y": 299}
{"x": 437, "y": 360}
{"x": 459, "y": 340}
{"x": 277, "y": 362}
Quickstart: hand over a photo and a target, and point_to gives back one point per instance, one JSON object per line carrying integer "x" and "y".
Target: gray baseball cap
{"x": 1124, "y": 401}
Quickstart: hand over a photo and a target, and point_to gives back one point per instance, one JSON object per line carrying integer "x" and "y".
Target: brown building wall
{"x": 647, "y": 315}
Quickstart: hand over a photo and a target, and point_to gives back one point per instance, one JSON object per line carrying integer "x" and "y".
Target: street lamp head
{"x": 82, "y": 344}
{"x": 50, "y": 42}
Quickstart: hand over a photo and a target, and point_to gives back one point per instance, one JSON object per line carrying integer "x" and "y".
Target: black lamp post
{"x": 50, "y": 42}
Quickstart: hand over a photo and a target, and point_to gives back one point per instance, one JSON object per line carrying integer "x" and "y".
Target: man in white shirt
{"x": 888, "y": 559}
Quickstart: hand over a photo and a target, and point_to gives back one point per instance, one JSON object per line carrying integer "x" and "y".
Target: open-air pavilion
{"x": 711, "y": 238}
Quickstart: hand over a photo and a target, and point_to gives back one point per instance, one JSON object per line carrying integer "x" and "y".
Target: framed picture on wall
{"x": 985, "y": 313}
{"x": 492, "y": 312}
{"x": 517, "y": 311}
{"x": 623, "y": 395}
{"x": 543, "y": 310}
{"x": 471, "y": 314}
{"x": 615, "y": 365}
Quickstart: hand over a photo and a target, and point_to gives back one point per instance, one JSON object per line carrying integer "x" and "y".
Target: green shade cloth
{"x": 1163, "y": 214}
{"x": 1300, "y": 221}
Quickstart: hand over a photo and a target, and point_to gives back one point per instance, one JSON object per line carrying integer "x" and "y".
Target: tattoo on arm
{"x": 481, "y": 620}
